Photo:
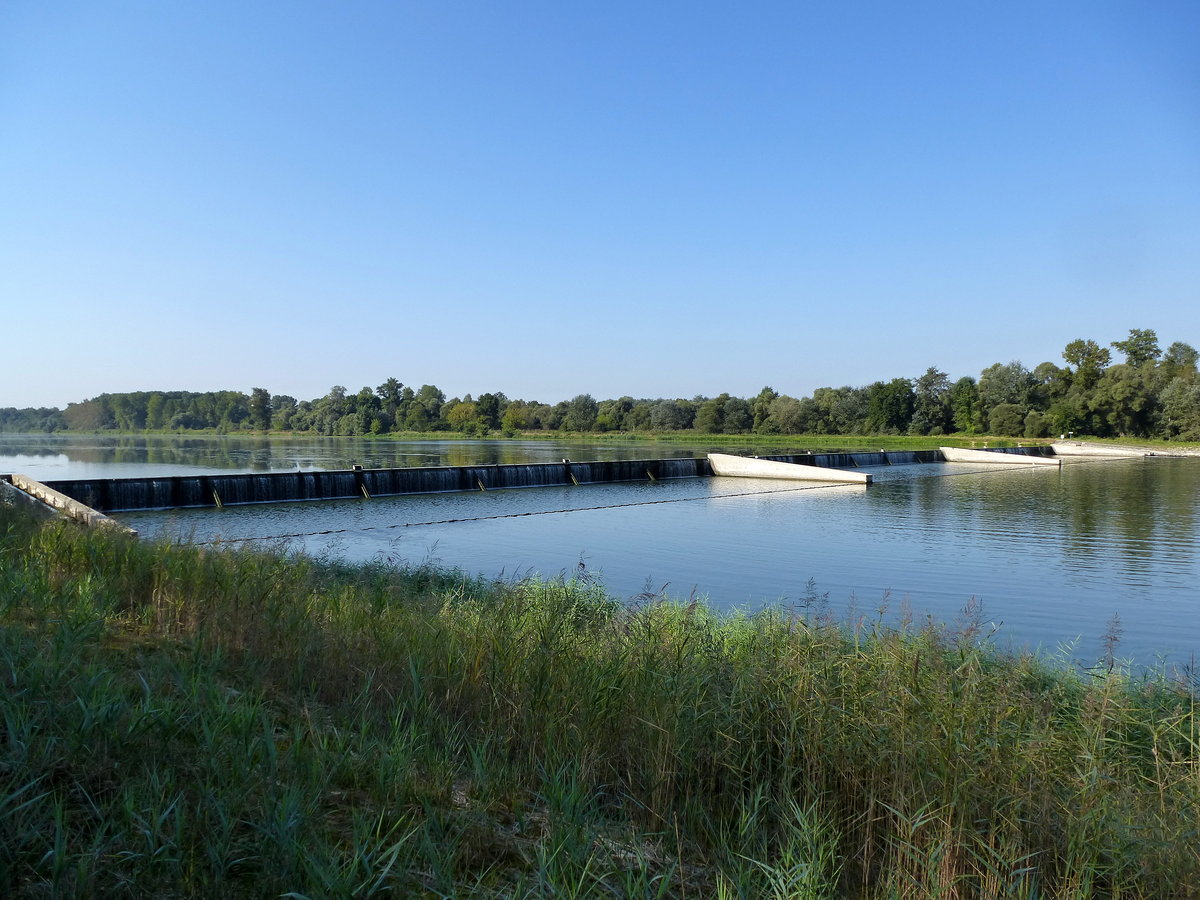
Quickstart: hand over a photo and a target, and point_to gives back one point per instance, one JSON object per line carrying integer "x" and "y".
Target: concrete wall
{"x": 13, "y": 496}
{"x": 69, "y": 507}
{"x": 751, "y": 467}
{"x": 1012, "y": 457}
{"x": 1079, "y": 448}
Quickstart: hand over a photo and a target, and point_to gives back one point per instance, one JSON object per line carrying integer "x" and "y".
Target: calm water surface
{"x": 51, "y": 457}
{"x": 1052, "y": 555}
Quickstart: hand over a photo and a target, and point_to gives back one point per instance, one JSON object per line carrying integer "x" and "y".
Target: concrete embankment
{"x": 67, "y": 506}
{"x": 1013, "y": 456}
{"x": 754, "y": 467}
{"x": 1086, "y": 448}
{"x": 14, "y": 496}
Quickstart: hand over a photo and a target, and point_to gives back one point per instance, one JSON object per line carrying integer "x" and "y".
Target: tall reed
{"x": 210, "y": 721}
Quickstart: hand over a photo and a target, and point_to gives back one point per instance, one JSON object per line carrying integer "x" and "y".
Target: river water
{"x": 1051, "y": 558}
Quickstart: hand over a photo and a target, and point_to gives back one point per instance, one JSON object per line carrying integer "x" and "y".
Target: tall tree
{"x": 260, "y": 408}
{"x": 760, "y": 407}
{"x": 890, "y": 406}
{"x": 1140, "y": 348}
{"x": 739, "y": 418}
{"x": 931, "y": 403}
{"x": 1180, "y": 359}
{"x": 710, "y": 415}
{"x": 581, "y": 413}
{"x": 964, "y": 405}
{"x": 491, "y": 408}
{"x": 1089, "y": 360}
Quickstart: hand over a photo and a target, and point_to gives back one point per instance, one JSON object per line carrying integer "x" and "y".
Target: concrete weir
{"x": 1081, "y": 448}
{"x": 215, "y": 490}
{"x": 754, "y": 467}
{"x": 64, "y": 505}
{"x": 88, "y": 499}
{"x": 1013, "y": 456}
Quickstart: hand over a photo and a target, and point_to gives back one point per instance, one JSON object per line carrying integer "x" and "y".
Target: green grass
{"x": 196, "y": 723}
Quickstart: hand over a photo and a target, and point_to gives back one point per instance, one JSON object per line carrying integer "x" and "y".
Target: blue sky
{"x": 546, "y": 199}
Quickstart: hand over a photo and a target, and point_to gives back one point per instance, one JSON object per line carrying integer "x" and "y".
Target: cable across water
{"x": 543, "y": 512}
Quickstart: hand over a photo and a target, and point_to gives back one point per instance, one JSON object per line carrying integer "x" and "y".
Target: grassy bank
{"x": 186, "y": 722}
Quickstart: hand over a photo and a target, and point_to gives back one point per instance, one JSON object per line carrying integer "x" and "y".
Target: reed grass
{"x": 191, "y": 722}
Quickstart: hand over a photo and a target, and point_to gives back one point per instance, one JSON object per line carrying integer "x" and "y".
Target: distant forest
{"x": 1153, "y": 393}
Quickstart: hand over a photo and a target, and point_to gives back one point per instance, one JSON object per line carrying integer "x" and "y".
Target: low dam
{"x": 127, "y": 494}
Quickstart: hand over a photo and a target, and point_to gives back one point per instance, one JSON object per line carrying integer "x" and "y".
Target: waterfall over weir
{"x": 859, "y": 460}
{"x": 119, "y": 494}
{"x": 125, "y": 494}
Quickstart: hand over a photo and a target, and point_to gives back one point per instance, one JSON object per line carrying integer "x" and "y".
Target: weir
{"x": 1021, "y": 456}
{"x": 127, "y": 494}
{"x": 759, "y": 467}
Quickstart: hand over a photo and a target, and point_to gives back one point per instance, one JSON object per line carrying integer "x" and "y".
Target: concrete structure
{"x": 13, "y": 496}
{"x": 1003, "y": 456}
{"x": 175, "y": 491}
{"x": 753, "y": 467}
{"x": 1079, "y": 448}
{"x": 68, "y": 506}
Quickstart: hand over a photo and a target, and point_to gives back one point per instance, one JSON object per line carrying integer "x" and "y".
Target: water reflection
{"x": 112, "y": 456}
{"x": 59, "y": 456}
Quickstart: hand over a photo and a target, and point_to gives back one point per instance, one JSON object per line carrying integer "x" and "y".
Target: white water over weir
{"x": 128, "y": 494}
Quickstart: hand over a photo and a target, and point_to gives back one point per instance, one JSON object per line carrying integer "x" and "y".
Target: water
{"x": 1051, "y": 554}
{"x": 59, "y": 457}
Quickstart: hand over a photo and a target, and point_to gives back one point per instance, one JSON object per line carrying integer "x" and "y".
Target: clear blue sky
{"x": 552, "y": 198}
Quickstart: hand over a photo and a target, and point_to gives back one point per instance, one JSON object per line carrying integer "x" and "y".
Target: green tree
{"x": 760, "y": 408}
{"x": 964, "y": 405}
{"x": 671, "y": 415}
{"x": 1089, "y": 360}
{"x": 463, "y": 416}
{"x": 1050, "y": 383}
{"x": 1140, "y": 348}
{"x": 1180, "y": 359}
{"x": 516, "y": 417}
{"x": 612, "y": 414}
{"x": 738, "y": 415}
{"x": 283, "y": 412}
{"x": 1180, "y": 409}
{"x": 425, "y": 409}
{"x": 491, "y": 408}
{"x": 1005, "y": 383}
{"x": 260, "y": 408}
{"x": 786, "y": 415}
{"x": 931, "y": 403}
{"x": 156, "y": 407}
{"x": 328, "y": 411}
{"x": 581, "y": 413}
{"x": 1007, "y": 419}
{"x": 710, "y": 415}
{"x": 389, "y": 392}
{"x": 850, "y": 410}
{"x": 890, "y": 406}
{"x": 638, "y": 417}
{"x": 1036, "y": 425}
{"x": 367, "y": 412}
{"x": 1125, "y": 400}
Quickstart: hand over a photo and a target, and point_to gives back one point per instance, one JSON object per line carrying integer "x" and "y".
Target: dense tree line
{"x": 1152, "y": 393}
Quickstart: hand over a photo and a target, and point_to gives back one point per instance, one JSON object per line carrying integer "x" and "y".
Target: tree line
{"x": 1152, "y": 393}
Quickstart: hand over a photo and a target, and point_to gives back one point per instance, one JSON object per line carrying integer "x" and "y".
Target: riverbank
{"x": 192, "y": 722}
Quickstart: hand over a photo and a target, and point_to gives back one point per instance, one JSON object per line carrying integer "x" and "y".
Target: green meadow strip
{"x": 199, "y": 722}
